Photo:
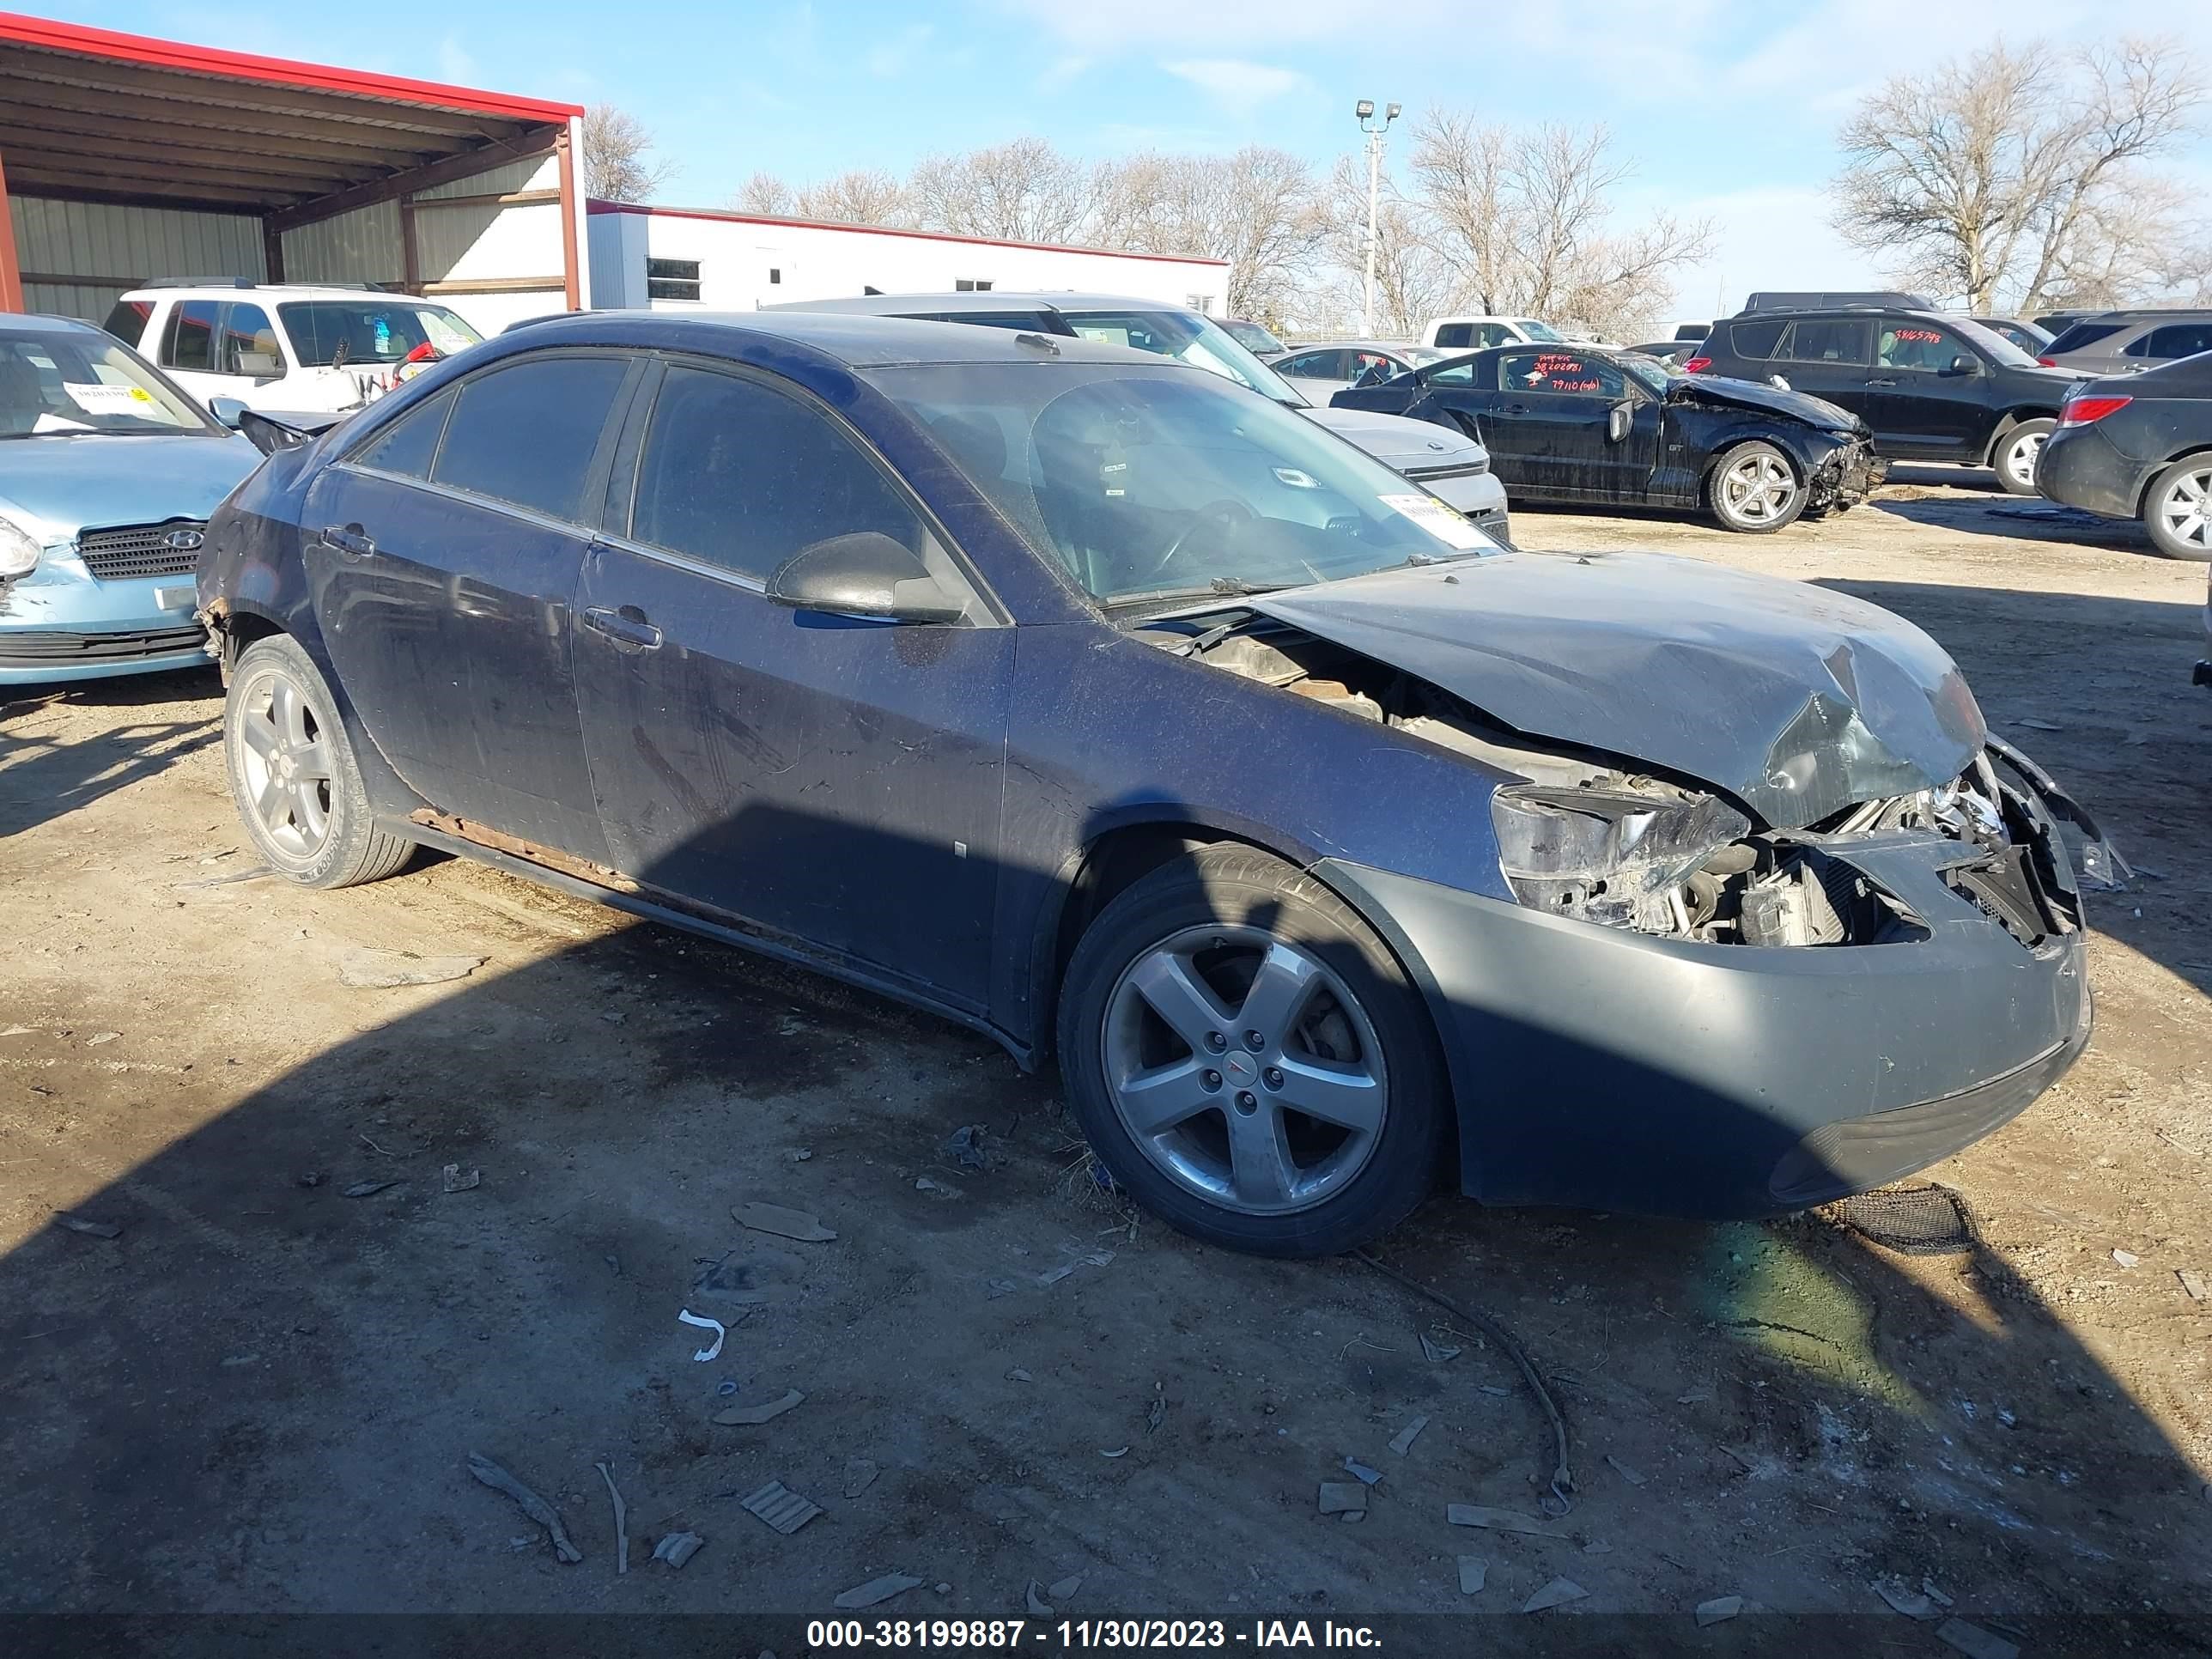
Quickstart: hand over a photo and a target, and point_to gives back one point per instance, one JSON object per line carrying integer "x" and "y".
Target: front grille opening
{"x": 2004, "y": 888}
{"x": 137, "y": 550}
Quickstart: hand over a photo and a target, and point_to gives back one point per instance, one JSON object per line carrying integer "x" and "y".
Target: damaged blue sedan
{"x": 1093, "y": 702}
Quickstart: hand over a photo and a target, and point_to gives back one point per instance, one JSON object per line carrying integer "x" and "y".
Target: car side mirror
{"x": 1963, "y": 364}
{"x": 231, "y": 411}
{"x": 1618, "y": 420}
{"x": 866, "y": 575}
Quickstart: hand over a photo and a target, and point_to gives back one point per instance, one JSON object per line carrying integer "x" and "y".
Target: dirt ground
{"x": 261, "y": 1396}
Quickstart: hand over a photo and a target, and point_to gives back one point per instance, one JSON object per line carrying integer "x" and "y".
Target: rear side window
{"x": 2081, "y": 336}
{"x": 1455, "y": 374}
{"x": 526, "y": 433}
{"x": 1758, "y": 340}
{"x": 2175, "y": 340}
{"x": 191, "y": 344}
{"x": 410, "y": 444}
{"x": 742, "y": 478}
{"x": 1562, "y": 373}
{"x": 1314, "y": 365}
{"x": 127, "y": 322}
{"x": 1828, "y": 340}
{"x": 248, "y": 344}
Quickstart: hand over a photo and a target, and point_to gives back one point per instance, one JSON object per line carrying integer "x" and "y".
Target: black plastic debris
{"x": 1928, "y": 1220}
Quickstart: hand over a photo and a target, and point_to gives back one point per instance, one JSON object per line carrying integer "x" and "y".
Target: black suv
{"x": 1932, "y": 387}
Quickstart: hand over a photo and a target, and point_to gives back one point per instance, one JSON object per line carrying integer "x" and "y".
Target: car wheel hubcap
{"x": 2020, "y": 457}
{"x": 286, "y": 764}
{"x": 2184, "y": 510}
{"x": 1757, "y": 488}
{"x": 1244, "y": 1069}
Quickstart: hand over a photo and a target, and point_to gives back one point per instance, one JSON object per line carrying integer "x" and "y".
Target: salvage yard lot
{"x": 263, "y": 1394}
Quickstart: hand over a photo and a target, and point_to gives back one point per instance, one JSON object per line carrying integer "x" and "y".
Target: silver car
{"x": 1448, "y": 464}
{"x": 2128, "y": 341}
{"x": 107, "y": 475}
{"x": 1321, "y": 369}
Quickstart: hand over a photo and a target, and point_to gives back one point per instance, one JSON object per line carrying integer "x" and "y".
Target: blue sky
{"x": 1726, "y": 110}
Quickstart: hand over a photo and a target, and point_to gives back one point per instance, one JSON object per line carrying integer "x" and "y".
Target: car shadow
{"x": 260, "y": 1395}
{"x": 2010, "y": 517}
{"x": 41, "y": 778}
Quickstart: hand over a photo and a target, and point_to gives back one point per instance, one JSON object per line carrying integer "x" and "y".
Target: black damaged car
{"x": 1578, "y": 423}
{"x": 1094, "y": 702}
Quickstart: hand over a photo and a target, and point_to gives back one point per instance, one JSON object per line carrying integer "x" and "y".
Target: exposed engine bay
{"x": 1598, "y": 838}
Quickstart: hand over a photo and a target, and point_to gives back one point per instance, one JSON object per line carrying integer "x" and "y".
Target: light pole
{"x": 1366, "y": 111}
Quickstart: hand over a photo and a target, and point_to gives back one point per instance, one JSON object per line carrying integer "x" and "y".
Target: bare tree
{"x": 764, "y": 193}
{"x": 1413, "y": 282}
{"x": 1256, "y": 208}
{"x": 864, "y": 196}
{"x": 617, "y": 156}
{"x": 2018, "y": 171}
{"x": 1025, "y": 190}
{"x": 1523, "y": 219}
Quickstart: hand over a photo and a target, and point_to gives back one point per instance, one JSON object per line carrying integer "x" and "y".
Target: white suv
{"x": 1481, "y": 333}
{"x": 300, "y": 348}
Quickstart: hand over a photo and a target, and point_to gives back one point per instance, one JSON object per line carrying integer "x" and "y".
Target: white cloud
{"x": 455, "y": 65}
{"x": 1240, "y": 87}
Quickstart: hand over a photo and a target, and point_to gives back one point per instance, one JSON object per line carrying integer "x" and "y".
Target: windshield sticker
{"x": 107, "y": 399}
{"x": 1439, "y": 521}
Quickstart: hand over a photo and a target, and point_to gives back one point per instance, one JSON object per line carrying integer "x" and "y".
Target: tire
{"x": 1341, "y": 1029}
{"x": 1755, "y": 489}
{"x": 2014, "y": 454}
{"x": 293, "y": 775}
{"x": 2177, "y": 509}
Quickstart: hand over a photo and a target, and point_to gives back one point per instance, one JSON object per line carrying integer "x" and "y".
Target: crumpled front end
{"x": 1841, "y": 482}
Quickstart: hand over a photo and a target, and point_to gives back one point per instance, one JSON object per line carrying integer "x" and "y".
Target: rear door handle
{"x": 1873, "y": 383}
{"x": 350, "y": 539}
{"x": 626, "y": 626}
{"x": 1518, "y": 408}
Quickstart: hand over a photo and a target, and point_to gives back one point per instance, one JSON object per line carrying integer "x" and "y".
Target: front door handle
{"x": 625, "y": 626}
{"x": 1874, "y": 383}
{"x": 1518, "y": 408}
{"x": 349, "y": 539}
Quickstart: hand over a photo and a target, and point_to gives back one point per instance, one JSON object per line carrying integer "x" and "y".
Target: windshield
{"x": 373, "y": 329}
{"x": 1421, "y": 356}
{"x": 1648, "y": 372}
{"x": 1160, "y": 485}
{"x": 58, "y": 382}
{"x": 1991, "y": 345}
{"x": 1251, "y": 336}
{"x": 1188, "y": 337}
{"x": 1536, "y": 331}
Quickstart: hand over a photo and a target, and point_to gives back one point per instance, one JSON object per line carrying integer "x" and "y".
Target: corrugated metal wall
{"x": 122, "y": 246}
{"x": 361, "y": 247}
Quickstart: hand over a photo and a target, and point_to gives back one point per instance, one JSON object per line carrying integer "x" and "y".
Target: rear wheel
{"x": 1754, "y": 489}
{"x": 2017, "y": 453}
{"x": 293, "y": 776}
{"x": 1249, "y": 1060}
{"x": 2177, "y": 509}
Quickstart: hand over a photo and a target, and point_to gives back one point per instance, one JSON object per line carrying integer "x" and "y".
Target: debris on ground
{"x": 1472, "y": 1571}
{"x": 1597, "y": 1546}
{"x": 942, "y": 1188}
{"x": 2127, "y": 1258}
{"x": 1720, "y": 1609}
{"x": 965, "y": 1148}
{"x": 622, "y": 1519}
{"x": 784, "y": 1224}
{"x": 752, "y": 1416}
{"x": 1402, "y": 1441}
{"x": 86, "y": 1224}
{"x": 1343, "y": 1498}
{"x": 384, "y": 970}
{"x": 98, "y": 1037}
{"x": 1118, "y": 1451}
{"x": 678, "y": 1549}
{"x": 860, "y": 1473}
{"x": 1934, "y": 1594}
{"x": 1017, "y": 1375}
{"x": 1624, "y": 1471}
{"x": 1903, "y": 1598}
{"x": 786, "y": 1511}
{"x": 1557, "y": 1592}
{"x": 1476, "y": 1514}
{"x": 1367, "y": 1477}
{"x": 721, "y": 1332}
{"x": 2193, "y": 1283}
{"x": 1927, "y": 1220}
{"x": 1435, "y": 1352}
{"x": 877, "y": 1589}
{"x": 799, "y": 1154}
{"x": 1036, "y": 1604}
{"x": 367, "y": 1188}
{"x": 2034, "y": 725}
{"x": 1157, "y": 1413}
{"x": 1090, "y": 1258}
{"x": 1973, "y": 1641}
{"x": 994, "y": 1289}
{"x": 1062, "y": 1589}
{"x": 527, "y": 1501}
{"x": 456, "y": 1181}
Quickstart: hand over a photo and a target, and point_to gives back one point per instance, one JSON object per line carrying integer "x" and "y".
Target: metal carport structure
{"x": 156, "y": 152}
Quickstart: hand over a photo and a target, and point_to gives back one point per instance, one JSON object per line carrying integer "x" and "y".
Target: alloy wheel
{"x": 2185, "y": 508}
{"x": 1244, "y": 1069}
{"x": 2020, "y": 456}
{"x": 1757, "y": 488}
{"x": 286, "y": 764}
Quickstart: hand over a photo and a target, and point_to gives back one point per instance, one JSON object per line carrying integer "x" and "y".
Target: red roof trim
{"x": 650, "y": 211}
{"x": 278, "y": 71}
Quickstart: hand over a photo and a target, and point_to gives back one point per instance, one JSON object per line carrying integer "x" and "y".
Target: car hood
{"x": 1768, "y": 399}
{"x": 1396, "y": 441}
{"x": 1796, "y": 701}
{"x": 60, "y": 485}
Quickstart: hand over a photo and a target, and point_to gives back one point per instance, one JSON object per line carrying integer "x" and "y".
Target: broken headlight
{"x": 18, "y": 550}
{"x": 1615, "y": 856}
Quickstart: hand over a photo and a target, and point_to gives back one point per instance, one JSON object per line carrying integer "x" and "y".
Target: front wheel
{"x": 2177, "y": 509}
{"x": 1754, "y": 490}
{"x": 1249, "y": 1060}
{"x": 2017, "y": 453}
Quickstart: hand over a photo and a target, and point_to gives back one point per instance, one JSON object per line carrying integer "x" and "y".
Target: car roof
{"x": 900, "y": 304}
{"x": 1359, "y": 345}
{"x": 40, "y": 322}
{"x": 218, "y": 289}
{"x": 856, "y": 340}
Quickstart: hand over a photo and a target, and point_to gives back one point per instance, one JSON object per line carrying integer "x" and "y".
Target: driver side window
{"x": 1916, "y": 345}
{"x": 1561, "y": 374}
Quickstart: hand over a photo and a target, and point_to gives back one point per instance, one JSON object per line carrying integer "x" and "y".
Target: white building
{"x": 676, "y": 259}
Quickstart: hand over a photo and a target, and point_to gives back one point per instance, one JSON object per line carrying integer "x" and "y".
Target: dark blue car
{"x": 1094, "y": 701}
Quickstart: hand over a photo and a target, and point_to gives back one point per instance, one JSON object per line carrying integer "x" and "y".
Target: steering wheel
{"x": 1225, "y": 513}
